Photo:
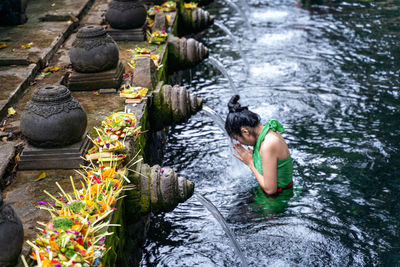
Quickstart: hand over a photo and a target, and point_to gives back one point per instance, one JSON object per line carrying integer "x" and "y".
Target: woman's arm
{"x": 269, "y": 159}
{"x": 268, "y": 181}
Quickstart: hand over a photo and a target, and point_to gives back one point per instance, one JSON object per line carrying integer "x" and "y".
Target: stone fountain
{"x": 126, "y": 19}
{"x": 53, "y": 123}
{"x": 195, "y": 20}
{"x": 185, "y": 53}
{"x": 172, "y": 104}
{"x": 95, "y": 61}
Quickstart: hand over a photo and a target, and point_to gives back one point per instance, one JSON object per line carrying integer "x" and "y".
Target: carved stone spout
{"x": 160, "y": 188}
{"x": 172, "y": 105}
{"x": 184, "y": 53}
{"x": 195, "y": 20}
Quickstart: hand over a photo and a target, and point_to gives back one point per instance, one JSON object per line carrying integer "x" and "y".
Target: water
{"x": 214, "y": 62}
{"x": 244, "y": 16}
{"x": 220, "y": 219}
{"x": 331, "y": 76}
{"x": 216, "y": 118}
{"x": 235, "y": 41}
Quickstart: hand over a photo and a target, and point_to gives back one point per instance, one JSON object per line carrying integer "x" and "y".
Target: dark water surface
{"x": 331, "y": 76}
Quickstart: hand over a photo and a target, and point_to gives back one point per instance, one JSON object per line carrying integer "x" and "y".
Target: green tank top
{"x": 285, "y": 166}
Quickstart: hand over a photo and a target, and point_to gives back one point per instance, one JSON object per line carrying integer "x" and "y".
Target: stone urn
{"x": 93, "y": 50}
{"x": 11, "y": 235}
{"x": 126, "y": 14}
{"x": 53, "y": 118}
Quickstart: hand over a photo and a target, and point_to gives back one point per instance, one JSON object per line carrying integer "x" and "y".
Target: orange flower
{"x": 54, "y": 245}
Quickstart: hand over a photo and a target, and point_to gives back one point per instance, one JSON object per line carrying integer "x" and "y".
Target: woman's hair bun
{"x": 234, "y": 105}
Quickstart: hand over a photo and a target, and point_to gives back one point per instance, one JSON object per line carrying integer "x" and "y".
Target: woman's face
{"x": 247, "y": 138}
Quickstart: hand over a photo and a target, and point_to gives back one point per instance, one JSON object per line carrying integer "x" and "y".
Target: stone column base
{"x": 136, "y": 35}
{"x": 77, "y": 81}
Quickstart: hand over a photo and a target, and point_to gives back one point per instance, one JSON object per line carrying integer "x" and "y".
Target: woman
{"x": 270, "y": 161}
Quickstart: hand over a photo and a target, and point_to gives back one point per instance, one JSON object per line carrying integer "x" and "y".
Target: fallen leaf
{"x": 69, "y": 22}
{"x": 3, "y": 45}
{"x": 41, "y": 176}
{"x": 20, "y": 26}
{"x": 54, "y": 69}
{"x": 4, "y": 139}
{"x": 11, "y": 111}
{"x": 27, "y": 46}
{"x": 53, "y": 4}
{"x": 16, "y": 159}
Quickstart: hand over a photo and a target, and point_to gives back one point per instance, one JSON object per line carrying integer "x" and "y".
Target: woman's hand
{"x": 246, "y": 156}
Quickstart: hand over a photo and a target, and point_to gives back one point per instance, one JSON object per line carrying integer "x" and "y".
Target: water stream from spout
{"x": 217, "y": 118}
{"x": 220, "y": 219}
{"x": 221, "y": 68}
{"x": 220, "y": 123}
{"x": 244, "y": 16}
{"x": 235, "y": 41}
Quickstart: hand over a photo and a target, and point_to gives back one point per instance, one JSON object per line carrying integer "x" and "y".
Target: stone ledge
{"x": 7, "y": 152}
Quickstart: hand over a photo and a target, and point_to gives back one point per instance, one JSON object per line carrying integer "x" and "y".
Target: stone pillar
{"x": 145, "y": 73}
{"x": 126, "y": 18}
{"x": 12, "y": 12}
{"x": 53, "y": 118}
{"x": 95, "y": 60}
{"x": 93, "y": 50}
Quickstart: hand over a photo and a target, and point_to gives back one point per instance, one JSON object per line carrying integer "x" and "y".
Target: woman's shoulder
{"x": 271, "y": 143}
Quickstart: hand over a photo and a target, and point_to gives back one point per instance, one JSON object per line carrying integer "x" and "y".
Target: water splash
{"x": 235, "y": 41}
{"x": 244, "y": 16}
{"x": 222, "y": 69}
{"x": 220, "y": 219}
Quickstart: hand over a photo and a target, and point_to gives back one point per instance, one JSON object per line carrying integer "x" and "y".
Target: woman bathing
{"x": 270, "y": 161}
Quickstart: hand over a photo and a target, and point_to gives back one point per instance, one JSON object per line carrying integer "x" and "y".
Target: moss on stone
{"x": 115, "y": 242}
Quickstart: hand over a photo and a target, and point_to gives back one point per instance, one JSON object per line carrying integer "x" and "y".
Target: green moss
{"x": 141, "y": 141}
{"x": 116, "y": 242}
{"x": 162, "y": 71}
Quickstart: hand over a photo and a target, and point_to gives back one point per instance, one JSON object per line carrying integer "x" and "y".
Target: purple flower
{"x": 42, "y": 202}
{"x": 57, "y": 265}
{"x": 162, "y": 170}
{"x": 102, "y": 239}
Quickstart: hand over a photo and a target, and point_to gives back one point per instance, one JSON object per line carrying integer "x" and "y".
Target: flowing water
{"x": 219, "y": 66}
{"x": 220, "y": 219}
{"x": 242, "y": 13}
{"x": 235, "y": 41}
{"x": 331, "y": 76}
